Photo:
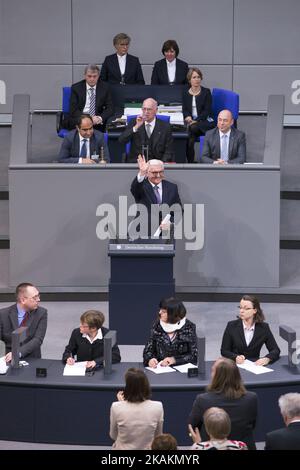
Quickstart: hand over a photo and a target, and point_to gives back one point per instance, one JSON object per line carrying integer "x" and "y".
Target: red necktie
{"x": 25, "y": 318}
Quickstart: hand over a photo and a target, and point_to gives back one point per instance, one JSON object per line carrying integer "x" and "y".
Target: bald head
{"x": 225, "y": 120}
{"x": 149, "y": 109}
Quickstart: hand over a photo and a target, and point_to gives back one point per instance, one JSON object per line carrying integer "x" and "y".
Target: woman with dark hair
{"x": 244, "y": 337}
{"x": 170, "y": 70}
{"x": 86, "y": 342}
{"x": 226, "y": 390}
{"x": 173, "y": 337}
{"x": 196, "y": 110}
{"x": 135, "y": 419}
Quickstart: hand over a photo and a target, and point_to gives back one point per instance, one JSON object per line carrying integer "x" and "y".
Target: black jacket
{"x": 234, "y": 344}
{"x": 203, "y": 104}
{"x": 160, "y": 143}
{"x": 242, "y": 412}
{"x": 104, "y": 104}
{"x": 284, "y": 439}
{"x": 110, "y": 70}
{"x": 160, "y": 73}
{"x": 86, "y": 351}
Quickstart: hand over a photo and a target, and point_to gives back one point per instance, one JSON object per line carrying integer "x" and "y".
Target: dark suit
{"x": 70, "y": 148}
{"x": 110, "y": 71}
{"x": 86, "y": 351}
{"x": 143, "y": 193}
{"x": 284, "y": 439}
{"x": 36, "y": 323}
{"x": 160, "y": 73}
{"x": 236, "y": 148}
{"x": 242, "y": 412}
{"x": 160, "y": 143}
{"x": 104, "y": 104}
{"x": 234, "y": 343}
{"x": 204, "y": 117}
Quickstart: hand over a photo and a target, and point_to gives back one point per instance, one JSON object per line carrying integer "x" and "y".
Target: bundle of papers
{"x": 3, "y": 365}
{"x": 252, "y": 367}
{"x": 166, "y": 369}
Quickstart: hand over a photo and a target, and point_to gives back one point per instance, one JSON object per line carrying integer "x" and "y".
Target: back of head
{"x": 164, "y": 442}
{"x": 93, "y": 318}
{"x": 290, "y": 405}
{"x": 137, "y": 387}
{"x": 176, "y": 310}
{"x": 227, "y": 379}
{"x": 217, "y": 423}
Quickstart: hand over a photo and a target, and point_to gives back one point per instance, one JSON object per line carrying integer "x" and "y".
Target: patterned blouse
{"x": 220, "y": 445}
{"x": 183, "y": 345}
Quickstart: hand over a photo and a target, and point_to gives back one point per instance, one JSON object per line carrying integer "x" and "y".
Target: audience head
{"x": 225, "y": 120}
{"x": 226, "y": 379}
{"x": 91, "y": 74}
{"x": 27, "y": 296}
{"x": 91, "y": 321}
{"x": 121, "y": 42}
{"x": 137, "y": 387}
{"x": 155, "y": 171}
{"x": 194, "y": 77}
{"x": 170, "y": 49}
{"x": 217, "y": 423}
{"x": 85, "y": 126}
{"x": 164, "y": 442}
{"x": 289, "y": 405}
{"x": 250, "y": 309}
{"x": 149, "y": 109}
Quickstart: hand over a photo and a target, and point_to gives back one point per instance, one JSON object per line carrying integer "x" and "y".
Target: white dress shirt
{"x": 122, "y": 63}
{"x": 99, "y": 335}
{"x": 171, "y": 67}
{"x": 86, "y": 109}
{"x": 248, "y": 332}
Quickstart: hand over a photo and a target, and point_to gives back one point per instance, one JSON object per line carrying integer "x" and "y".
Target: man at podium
{"x": 150, "y": 188}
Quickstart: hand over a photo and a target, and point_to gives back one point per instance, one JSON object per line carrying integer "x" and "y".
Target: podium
{"x": 141, "y": 274}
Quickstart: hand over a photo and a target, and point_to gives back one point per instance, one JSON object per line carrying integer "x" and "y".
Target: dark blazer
{"x": 160, "y": 73}
{"x": 70, "y": 147}
{"x": 110, "y": 70}
{"x": 203, "y": 103}
{"x": 86, "y": 351}
{"x": 183, "y": 348}
{"x": 143, "y": 193}
{"x": 236, "y": 151}
{"x": 104, "y": 104}
{"x": 284, "y": 439}
{"x": 36, "y": 323}
{"x": 242, "y": 412}
{"x": 234, "y": 344}
{"x": 160, "y": 143}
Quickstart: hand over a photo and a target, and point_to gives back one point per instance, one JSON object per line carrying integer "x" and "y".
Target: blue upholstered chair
{"x": 62, "y": 115}
{"x": 222, "y": 99}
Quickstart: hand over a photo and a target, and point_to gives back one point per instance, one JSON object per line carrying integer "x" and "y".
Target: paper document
{"x": 3, "y": 365}
{"x": 184, "y": 367}
{"x": 76, "y": 369}
{"x": 252, "y": 367}
{"x": 161, "y": 369}
{"x": 165, "y": 221}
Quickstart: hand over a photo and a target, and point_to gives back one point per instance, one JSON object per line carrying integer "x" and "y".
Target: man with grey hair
{"x": 90, "y": 96}
{"x": 287, "y": 438}
{"x": 147, "y": 130}
{"x": 150, "y": 188}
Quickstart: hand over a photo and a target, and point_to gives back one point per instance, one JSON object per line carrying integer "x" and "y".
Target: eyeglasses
{"x": 157, "y": 173}
{"x": 34, "y": 297}
{"x": 245, "y": 308}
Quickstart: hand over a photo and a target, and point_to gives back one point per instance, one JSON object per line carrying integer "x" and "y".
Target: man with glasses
{"x": 122, "y": 68}
{"x": 150, "y": 188}
{"x": 83, "y": 145}
{"x": 25, "y": 312}
{"x": 147, "y": 131}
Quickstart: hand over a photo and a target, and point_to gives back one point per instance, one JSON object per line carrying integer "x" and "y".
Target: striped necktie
{"x": 92, "y": 102}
